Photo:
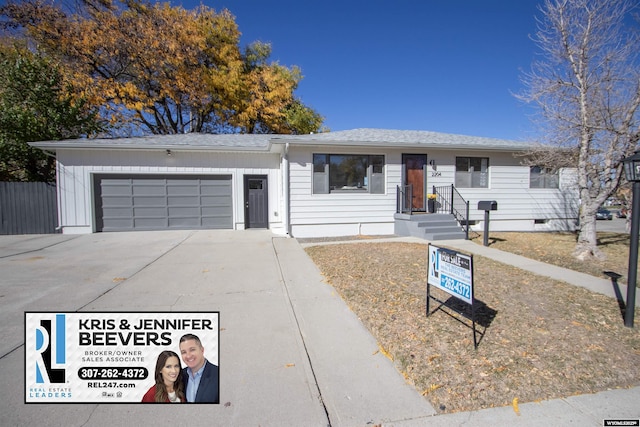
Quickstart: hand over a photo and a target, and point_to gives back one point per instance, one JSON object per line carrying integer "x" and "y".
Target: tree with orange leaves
{"x": 160, "y": 69}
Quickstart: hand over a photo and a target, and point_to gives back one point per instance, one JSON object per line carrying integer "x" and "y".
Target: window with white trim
{"x": 472, "y": 172}
{"x": 348, "y": 173}
{"x": 540, "y": 177}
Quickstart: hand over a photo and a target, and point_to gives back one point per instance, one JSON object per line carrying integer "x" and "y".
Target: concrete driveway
{"x": 291, "y": 352}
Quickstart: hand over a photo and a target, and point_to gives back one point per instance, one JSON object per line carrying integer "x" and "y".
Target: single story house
{"x": 318, "y": 185}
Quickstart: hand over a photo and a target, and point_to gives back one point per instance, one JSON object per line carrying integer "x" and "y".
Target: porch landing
{"x": 432, "y": 226}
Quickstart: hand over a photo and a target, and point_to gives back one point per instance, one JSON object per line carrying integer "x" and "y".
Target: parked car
{"x": 622, "y": 213}
{"x": 604, "y": 214}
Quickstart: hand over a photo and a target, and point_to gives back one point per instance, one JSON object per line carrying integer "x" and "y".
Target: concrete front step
{"x": 428, "y": 226}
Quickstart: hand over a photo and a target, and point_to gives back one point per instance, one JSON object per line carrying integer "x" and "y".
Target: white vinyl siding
{"x": 77, "y": 167}
{"x": 519, "y": 206}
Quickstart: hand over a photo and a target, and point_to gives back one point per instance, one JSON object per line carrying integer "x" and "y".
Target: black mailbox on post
{"x": 486, "y": 206}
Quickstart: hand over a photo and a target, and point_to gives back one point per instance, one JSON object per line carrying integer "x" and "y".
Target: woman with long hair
{"x": 169, "y": 386}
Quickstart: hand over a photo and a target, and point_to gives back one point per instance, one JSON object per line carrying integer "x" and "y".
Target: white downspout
{"x": 58, "y": 196}
{"x": 287, "y": 196}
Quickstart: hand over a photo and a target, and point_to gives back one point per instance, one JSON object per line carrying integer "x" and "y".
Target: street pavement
{"x": 616, "y": 225}
{"x": 291, "y": 352}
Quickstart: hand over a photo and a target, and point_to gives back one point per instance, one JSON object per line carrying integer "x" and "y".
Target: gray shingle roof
{"x": 264, "y": 142}
{"x": 252, "y": 142}
{"x": 409, "y": 138}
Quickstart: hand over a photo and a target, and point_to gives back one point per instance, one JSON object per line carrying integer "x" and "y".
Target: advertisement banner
{"x": 452, "y": 272}
{"x": 115, "y": 357}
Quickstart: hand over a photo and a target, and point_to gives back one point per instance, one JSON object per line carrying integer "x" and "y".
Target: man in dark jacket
{"x": 202, "y": 381}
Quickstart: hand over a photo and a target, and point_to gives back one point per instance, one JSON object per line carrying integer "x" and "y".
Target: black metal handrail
{"x": 404, "y": 196}
{"x": 450, "y": 201}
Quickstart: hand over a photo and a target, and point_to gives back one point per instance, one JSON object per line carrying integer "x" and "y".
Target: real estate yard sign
{"x": 452, "y": 272}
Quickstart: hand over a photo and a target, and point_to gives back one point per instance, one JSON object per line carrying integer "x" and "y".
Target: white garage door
{"x": 162, "y": 202}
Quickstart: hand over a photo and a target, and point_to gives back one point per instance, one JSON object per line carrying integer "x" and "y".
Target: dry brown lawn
{"x": 543, "y": 339}
{"x": 557, "y": 249}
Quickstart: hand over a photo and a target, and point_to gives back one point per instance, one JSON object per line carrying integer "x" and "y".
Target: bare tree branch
{"x": 586, "y": 87}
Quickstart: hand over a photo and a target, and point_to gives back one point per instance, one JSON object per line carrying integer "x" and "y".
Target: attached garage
{"x": 162, "y": 202}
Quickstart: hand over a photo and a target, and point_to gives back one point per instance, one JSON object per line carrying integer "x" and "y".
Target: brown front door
{"x": 414, "y": 167}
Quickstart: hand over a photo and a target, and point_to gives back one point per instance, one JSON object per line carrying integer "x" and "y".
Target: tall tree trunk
{"x": 587, "y": 245}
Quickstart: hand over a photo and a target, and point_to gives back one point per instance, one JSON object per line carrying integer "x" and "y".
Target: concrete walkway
{"x": 291, "y": 352}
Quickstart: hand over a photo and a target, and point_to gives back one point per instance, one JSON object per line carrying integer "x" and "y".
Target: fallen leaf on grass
{"x": 385, "y": 352}
{"x": 432, "y": 387}
{"x": 574, "y": 323}
{"x": 433, "y": 357}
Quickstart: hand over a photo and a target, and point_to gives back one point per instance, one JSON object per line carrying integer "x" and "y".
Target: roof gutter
{"x": 142, "y": 147}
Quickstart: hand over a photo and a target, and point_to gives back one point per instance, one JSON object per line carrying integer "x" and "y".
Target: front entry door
{"x": 414, "y": 174}
{"x": 256, "y": 206}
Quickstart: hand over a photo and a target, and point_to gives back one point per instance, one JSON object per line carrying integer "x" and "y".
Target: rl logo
{"x": 50, "y": 350}
{"x": 435, "y": 263}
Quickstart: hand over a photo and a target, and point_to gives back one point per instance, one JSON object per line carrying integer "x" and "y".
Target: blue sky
{"x": 439, "y": 65}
